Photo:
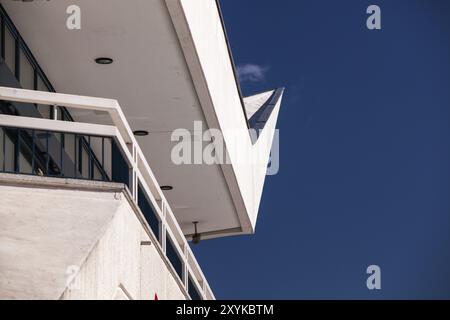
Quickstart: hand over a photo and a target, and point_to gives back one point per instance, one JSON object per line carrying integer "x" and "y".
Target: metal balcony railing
{"x": 54, "y": 154}
{"x": 26, "y": 73}
{"x": 56, "y": 148}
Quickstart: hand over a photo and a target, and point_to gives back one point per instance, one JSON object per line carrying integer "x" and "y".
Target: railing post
{"x": 17, "y": 152}
{"x": 163, "y": 228}
{"x": 185, "y": 267}
{"x": 204, "y": 289}
{"x": 54, "y": 112}
{"x": 134, "y": 173}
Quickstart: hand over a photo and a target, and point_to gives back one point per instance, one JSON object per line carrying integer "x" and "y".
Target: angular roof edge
{"x": 230, "y": 53}
{"x": 260, "y": 117}
{"x": 213, "y": 72}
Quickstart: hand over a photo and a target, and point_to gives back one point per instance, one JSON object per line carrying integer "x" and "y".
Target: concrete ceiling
{"x": 149, "y": 78}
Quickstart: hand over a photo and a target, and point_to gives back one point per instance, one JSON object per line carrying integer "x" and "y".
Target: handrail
{"x": 141, "y": 171}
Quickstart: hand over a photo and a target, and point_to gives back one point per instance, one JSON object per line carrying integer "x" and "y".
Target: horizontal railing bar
{"x": 60, "y": 99}
{"x": 72, "y": 101}
{"x": 88, "y": 129}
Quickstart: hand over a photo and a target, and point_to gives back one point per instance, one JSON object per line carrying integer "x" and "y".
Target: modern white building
{"x": 92, "y": 203}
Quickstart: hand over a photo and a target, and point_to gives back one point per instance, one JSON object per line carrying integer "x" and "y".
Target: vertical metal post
{"x": 62, "y": 149}
{"x": 163, "y": 228}
{"x": 35, "y": 79}
{"x": 80, "y": 155}
{"x": 90, "y": 161}
{"x": 33, "y": 151}
{"x": 204, "y": 289}
{"x": 54, "y": 112}
{"x": 4, "y": 149}
{"x": 103, "y": 153}
{"x": 75, "y": 160}
{"x": 17, "y": 153}
{"x": 102, "y": 171}
{"x": 134, "y": 172}
{"x": 185, "y": 267}
{"x": 47, "y": 162}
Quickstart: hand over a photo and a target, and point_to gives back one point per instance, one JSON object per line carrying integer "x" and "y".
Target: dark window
{"x": 193, "y": 291}
{"x": 120, "y": 169}
{"x": 148, "y": 211}
{"x": 174, "y": 258}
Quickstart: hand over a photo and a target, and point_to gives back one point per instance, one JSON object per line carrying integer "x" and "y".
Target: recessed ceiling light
{"x": 104, "y": 60}
{"x": 166, "y": 188}
{"x": 140, "y": 133}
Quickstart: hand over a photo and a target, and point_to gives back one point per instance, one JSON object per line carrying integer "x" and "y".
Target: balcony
{"x": 90, "y": 151}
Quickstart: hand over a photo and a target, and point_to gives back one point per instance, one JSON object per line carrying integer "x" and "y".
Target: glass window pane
{"x": 2, "y": 136}
{"x": 97, "y": 174}
{"x": 41, "y": 147}
{"x": 107, "y": 161}
{"x": 41, "y": 84}
{"x": 55, "y": 150}
{"x": 119, "y": 166}
{"x": 44, "y": 110}
{"x": 25, "y": 152}
{"x": 10, "y": 50}
{"x": 84, "y": 159}
{"x": 69, "y": 155}
{"x": 26, "y": 73}
{"x": 173, "y": 257}
{"x": 96, "y": 147}
{"x": 60, "y": 114}
{"x": 148, "y": 211}
{"x": 193, "y": 291}
{"x": 9, "y": 137}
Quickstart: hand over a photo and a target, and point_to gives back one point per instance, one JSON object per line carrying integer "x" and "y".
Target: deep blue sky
{"x": 365, "y": 161}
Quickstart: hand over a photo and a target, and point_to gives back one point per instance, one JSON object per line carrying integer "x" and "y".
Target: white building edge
{"x": 83, "y": 215}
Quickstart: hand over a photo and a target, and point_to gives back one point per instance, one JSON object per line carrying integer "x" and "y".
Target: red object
{"x": 156, "y": 297}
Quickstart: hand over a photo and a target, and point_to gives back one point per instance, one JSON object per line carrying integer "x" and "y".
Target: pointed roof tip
{"x": 263, "y": 92}
{"x": 257, "y": 101}
{"x": 259, "y": 107}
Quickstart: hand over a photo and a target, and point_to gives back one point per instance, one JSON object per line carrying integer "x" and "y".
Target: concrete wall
{"x": 67, "y": 239}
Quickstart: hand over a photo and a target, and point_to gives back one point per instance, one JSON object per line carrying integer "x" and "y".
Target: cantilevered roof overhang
{"x": 172, "y": 67}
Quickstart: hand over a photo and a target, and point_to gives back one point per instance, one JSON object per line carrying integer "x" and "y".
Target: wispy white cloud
{"x": 252, "y": 73}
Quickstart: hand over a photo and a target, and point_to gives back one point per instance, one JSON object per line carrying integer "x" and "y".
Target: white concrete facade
{"x": 66, "y": 239}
